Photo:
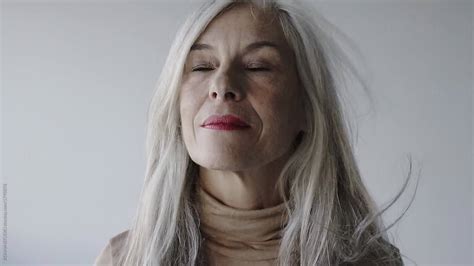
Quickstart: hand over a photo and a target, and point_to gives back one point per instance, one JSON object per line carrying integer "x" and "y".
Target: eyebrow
{"x": 252, "y": 46}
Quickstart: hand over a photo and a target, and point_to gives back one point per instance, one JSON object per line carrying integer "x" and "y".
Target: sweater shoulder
{"x": 109, "y": 254}
{"x": 119, "y": 238}
{"x": 117, "y": 242}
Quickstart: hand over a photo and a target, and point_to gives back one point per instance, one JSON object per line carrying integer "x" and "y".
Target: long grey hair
{"x": 332, "y": 218}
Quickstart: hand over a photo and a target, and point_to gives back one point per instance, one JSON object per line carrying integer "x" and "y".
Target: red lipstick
{"x": 226, "y": 122}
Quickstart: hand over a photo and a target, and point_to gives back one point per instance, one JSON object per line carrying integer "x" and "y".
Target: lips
{"x": 225, "y": 122}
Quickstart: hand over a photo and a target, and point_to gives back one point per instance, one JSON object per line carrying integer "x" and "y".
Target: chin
{"x": 223, "y": 162}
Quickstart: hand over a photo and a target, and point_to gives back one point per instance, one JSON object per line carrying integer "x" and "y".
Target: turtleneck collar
{"x": 252, "y": 235}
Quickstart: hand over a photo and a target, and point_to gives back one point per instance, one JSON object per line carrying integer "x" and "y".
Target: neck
{"x": 248, "y": 190}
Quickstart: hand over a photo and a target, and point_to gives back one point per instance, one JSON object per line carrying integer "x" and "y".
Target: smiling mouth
{"x": 225, "y": 126}
{"x": 226, "y": 122}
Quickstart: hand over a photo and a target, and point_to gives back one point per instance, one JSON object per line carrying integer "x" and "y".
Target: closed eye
{"x": 258, "y": 69}
{"x": 205, "y": 68}
{"x": 255, "y": 67}
{"x": 202, "y": 68}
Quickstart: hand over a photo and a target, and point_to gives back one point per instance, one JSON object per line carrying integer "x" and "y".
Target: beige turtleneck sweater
{"x": 231, "y": 236}
{"x": 239, "y": 237}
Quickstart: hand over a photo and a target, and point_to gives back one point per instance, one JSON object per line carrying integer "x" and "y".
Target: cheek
{"x": 188, "y": 107}
{"x": 279, "y": 112}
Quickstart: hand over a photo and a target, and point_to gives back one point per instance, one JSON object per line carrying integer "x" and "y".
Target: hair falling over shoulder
{"x": 332, "y": 218}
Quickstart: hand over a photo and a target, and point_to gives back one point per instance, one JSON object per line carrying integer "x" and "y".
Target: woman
{"x": 249, "y": 161}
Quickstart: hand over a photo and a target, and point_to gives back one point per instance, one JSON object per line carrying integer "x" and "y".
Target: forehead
{"x": 244, "y": 24}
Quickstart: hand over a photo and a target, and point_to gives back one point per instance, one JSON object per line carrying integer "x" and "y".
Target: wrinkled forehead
{"x": 243, "y": 24}
{"x": 249, "y": 16}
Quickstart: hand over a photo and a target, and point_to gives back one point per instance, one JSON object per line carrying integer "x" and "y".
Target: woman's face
{"x": 242, "y": 66}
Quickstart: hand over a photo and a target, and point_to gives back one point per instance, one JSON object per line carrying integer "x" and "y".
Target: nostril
{"x": 229, "y": 95}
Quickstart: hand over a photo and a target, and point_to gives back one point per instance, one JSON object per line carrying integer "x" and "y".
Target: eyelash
{"x": 202, "y": 68}
{"x": 254, "y": 69}
{"x": 205, "y": 68}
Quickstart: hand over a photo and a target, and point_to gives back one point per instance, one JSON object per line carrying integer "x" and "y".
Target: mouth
{"x": 226, "y": 122}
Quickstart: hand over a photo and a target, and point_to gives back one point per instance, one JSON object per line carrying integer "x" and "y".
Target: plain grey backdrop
{"x": 77, "y": 77}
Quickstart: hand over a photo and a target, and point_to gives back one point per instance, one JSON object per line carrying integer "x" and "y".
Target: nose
{"x": 225, "y": 87}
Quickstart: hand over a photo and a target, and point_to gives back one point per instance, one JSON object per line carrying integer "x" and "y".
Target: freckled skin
{"x": 240, "y": 167}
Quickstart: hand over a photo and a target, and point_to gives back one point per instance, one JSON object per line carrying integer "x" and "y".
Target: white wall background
{"x": 76, "y": 81}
